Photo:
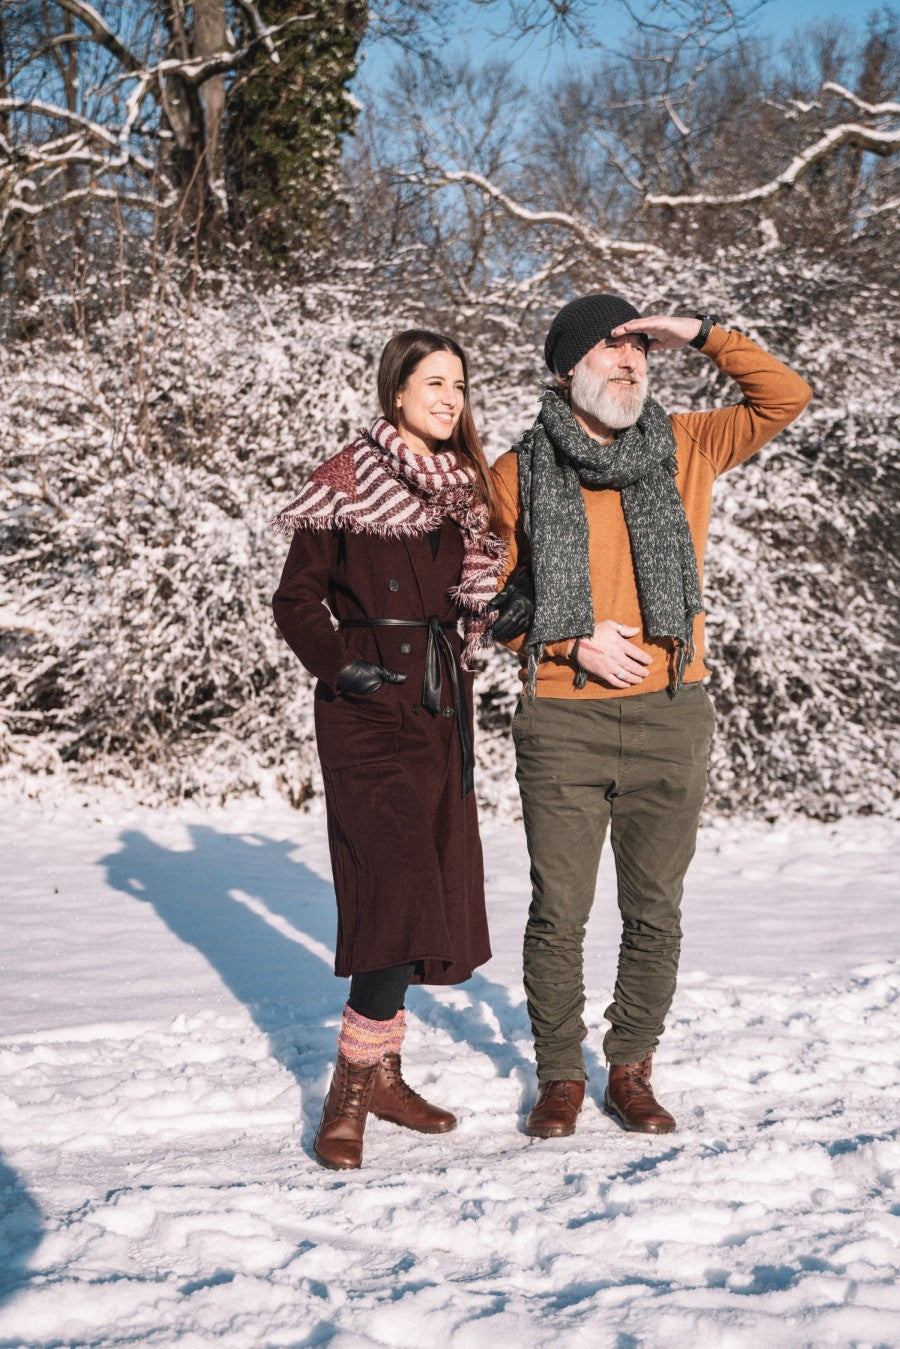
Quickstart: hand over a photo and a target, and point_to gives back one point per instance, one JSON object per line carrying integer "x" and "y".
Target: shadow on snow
{"x": 266, "y": 923}
{"x": 21, "y": 1229}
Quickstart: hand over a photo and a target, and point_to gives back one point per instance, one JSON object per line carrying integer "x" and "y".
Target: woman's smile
{"x": 430, "y": 403}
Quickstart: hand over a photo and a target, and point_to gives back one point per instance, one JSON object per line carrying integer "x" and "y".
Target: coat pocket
{"x": 357, "y": 730}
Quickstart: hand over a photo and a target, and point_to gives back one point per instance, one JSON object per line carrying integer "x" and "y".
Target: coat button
{"x": 416, "y": 708}
{"x": 405, "y": 648}
{"x": 447, "y": 711}
{"x": 393, "y": 585}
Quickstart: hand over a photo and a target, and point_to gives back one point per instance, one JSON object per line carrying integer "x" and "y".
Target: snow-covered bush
{"x": 143, "y": 461}
{"x": 142, "y": 471}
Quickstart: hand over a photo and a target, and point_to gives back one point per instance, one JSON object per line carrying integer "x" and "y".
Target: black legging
{"x": 378, "y": 995}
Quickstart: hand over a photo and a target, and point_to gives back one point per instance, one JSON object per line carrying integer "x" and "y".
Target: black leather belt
{"x": 431, "y": 688}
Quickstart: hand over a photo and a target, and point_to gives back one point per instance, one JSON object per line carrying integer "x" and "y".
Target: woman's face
{"x": 430, "y": 403}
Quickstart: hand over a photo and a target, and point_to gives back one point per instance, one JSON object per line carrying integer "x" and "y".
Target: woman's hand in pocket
{"x": 362, "y": 676}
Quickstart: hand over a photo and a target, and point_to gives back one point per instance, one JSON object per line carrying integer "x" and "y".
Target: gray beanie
{"x": 580, "y": 325}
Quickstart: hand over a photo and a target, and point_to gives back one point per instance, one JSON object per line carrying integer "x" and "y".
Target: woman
{"x": 394, "y": 533}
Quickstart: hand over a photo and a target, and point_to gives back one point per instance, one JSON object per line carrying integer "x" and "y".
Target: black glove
{"x": 516, "y": 604}
{"x": 361, "y": 676}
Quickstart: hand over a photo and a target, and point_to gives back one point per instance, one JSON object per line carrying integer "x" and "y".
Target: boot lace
{"x": 636, "y": 1079}
{"x": 353, "y": 1103}
{"x": 394, "y": 1073}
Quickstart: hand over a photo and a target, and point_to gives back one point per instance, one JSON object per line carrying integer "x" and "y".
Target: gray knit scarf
{"x": 556, "y": 458}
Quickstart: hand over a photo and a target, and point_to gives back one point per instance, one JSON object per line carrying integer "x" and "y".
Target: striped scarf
{"x": 377, "y": 485}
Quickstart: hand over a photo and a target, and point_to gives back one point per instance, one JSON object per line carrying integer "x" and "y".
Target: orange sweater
{"x": 707, "y": 443}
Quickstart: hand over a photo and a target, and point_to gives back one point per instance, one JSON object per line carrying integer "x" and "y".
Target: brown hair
{"x": 399, "y": 359}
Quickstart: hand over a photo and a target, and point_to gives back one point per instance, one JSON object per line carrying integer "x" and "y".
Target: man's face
{"x": 609, "y": 384}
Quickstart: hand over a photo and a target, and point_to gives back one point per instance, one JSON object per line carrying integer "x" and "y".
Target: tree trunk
{"x": 17, "y": 278}
{"x": 210, "y": 35}
{"x": 67, "y": 59}
{"x": 194, "y": 115}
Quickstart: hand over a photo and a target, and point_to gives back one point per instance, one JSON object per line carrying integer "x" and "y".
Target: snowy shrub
{"x": 142, "y": 474}
{"x": 143, "y": 462}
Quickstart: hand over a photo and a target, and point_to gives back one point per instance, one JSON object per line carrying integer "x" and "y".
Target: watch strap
{"x": 707, "y": 323}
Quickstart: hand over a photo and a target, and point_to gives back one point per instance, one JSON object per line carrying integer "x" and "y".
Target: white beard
{"x": 590, "y": 393}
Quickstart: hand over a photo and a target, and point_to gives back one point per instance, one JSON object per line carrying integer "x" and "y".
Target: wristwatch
{"x": 707, "y": 322}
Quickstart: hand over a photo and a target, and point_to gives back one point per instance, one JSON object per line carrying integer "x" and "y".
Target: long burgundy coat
{"x": 405, "y": 849}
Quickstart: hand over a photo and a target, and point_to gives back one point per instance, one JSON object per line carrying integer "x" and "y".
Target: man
{"x": 606, "y": 500}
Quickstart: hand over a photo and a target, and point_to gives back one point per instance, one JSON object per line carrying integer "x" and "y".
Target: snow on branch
{"x": 848, "y": 133}
{"x": 264, "y": 33}
{"x": 53, "y": 111}
{"x": 101, "y": 32}
{"x": 870, "y": 109}
{"x": 30, "y": 167}
{"x": 884, "y": 142}
{"x": 885, "y": 206}
{"x": 596, "y": 241}
{"x": 198, "y": 70}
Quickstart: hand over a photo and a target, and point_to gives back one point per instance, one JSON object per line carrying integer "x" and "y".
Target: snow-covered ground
{"x": 169, "y": 1019}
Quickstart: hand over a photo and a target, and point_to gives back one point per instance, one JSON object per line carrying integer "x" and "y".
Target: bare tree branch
{"x": 883, "y": 207}
{"x": 56, "y": 113}
{"x": 676, "y": 121}
{"x": 29, "y": 169}
{"x": 101, "y": 32}
{"x": 849, "y": 133}
{"x": 259, "y": 28}
{"x": 870, "y": 109}
{"x": 594, "y": 239}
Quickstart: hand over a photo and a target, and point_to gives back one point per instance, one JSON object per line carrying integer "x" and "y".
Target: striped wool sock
{"x": 364, "y": 1041}
{"x": 399, "y": 1025}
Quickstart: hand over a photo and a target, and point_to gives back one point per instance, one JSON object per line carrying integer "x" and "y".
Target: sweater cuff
{"x": 716, "y": 340}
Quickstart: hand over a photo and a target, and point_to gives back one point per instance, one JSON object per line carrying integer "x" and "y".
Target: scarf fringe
{"x": 441, "y": 489}
{"x": 476, "y": 640}
{"x": 684, "y": 654}
{"x": 286, "y": 525}
{"x": 535, "y": 656}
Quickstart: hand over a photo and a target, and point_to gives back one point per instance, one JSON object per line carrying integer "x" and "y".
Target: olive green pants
{"x": 638, "y": 765}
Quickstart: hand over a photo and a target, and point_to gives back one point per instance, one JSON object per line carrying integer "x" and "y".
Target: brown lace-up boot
{"x": 339, "y": 1141}
{"x": 630, "y": 1099}
{"x": 395, "y": 1101}
{"x": 555, "y": 1112}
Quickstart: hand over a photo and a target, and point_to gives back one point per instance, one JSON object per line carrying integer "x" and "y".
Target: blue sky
{"x": 536, "y": 57}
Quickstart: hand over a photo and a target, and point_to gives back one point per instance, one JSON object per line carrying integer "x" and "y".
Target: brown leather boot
{"x": 631, "y": 1101}
{"x": 555, "y": 1112}
{"x": 339, "y": 1141}
{"x": 395, "y": 1101}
